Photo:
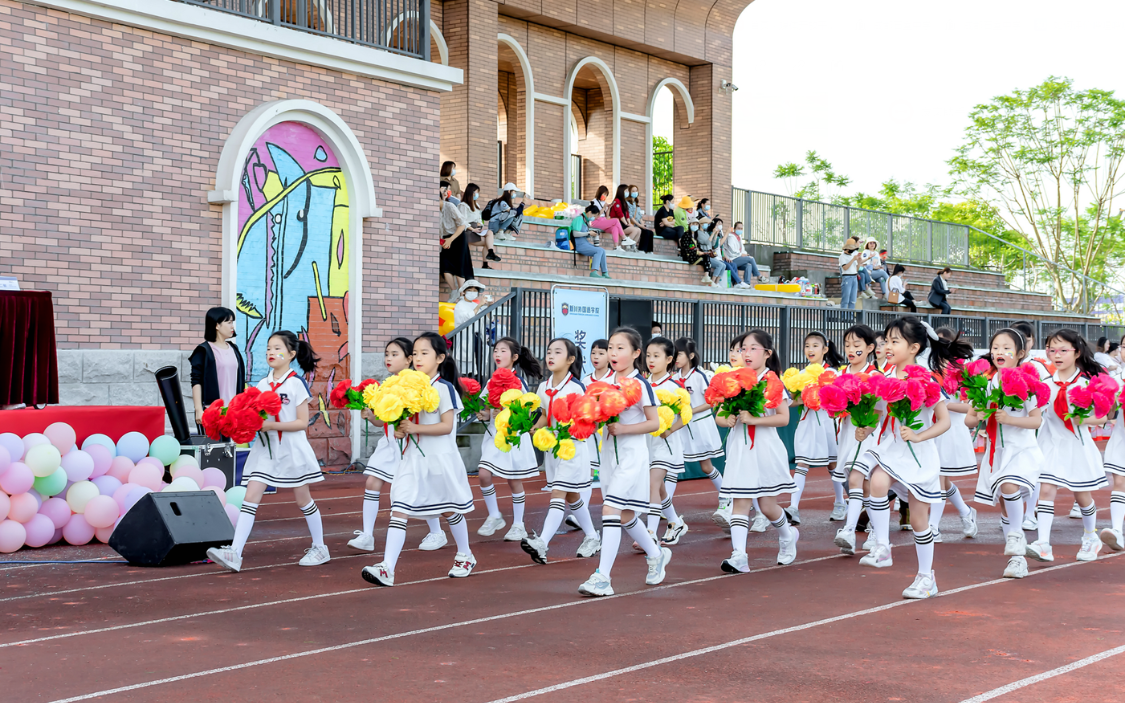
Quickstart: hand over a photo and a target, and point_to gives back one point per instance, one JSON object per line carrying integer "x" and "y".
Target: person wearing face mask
{"x": 665, "y": 220}
{"x": 580, "y": 243}
{"x": 454, "y": 263}
{"x": 468, "y": 302}
{"x": 448, "y": 171}
{"x": 703, "y": 211}
{"x": 505, "y": 217}
{"x": 475, "y": 233}
{"x": 619, "y": 212}
{"x": 734, "y": 253}
{"x": 603, "y": 221}
{"x": 636, "y": 219}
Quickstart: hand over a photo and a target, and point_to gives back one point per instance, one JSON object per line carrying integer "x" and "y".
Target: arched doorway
{"x": 516, "y": 87}
{"x": 670, "y": 108}
{"x": 593, "y": 159}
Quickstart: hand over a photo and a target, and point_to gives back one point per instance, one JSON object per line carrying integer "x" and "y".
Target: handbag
{"x": 894, "y": 297}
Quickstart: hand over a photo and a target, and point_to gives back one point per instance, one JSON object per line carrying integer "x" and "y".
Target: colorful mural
{"x": 293, "y": 249}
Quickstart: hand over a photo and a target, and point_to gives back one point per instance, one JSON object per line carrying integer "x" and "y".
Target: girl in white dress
{"x": 1045, "y": 369}
{"x": 890, "y": 460}
{"x": 624, "y": 471}
{"x": 859, "y": 352}
{"x": 285, "y": 459}
{"x": 1115, "y": 471}
{"x": 666, "y": 453}
{"x": 1070, "y": 457}
{"x": 725, "y": 511}
{"x": 516, "y": 465}
{"x": 1011, "y": 465}
{"x": 385, "y": 459}
{"x": 431, "y": 479}
{"x": 599, "y": 359}
{"x": 958, "y": 459}
{"x": 759, "y": 470}
{"x": 568, "y": 479}
{"x": 701, "y": 442}
{"x": 814, "y": 441}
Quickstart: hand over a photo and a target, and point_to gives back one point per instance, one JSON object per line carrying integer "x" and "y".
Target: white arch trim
{"x": 615, "y": 137}
{"x": 361, "y": 199}
{"x": 676, "y": 85}
{"x": 439, "y": 39}
{"x": 529, "y": 110}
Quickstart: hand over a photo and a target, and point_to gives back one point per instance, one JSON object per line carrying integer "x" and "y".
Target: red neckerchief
{"x": 273, "y": 388}
{"x": 991, "y": 428}
{"x": 1061, "y": 405}
{"x": 552, "y": 392}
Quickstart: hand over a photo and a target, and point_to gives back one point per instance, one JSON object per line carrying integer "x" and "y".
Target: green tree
{"x": 661, "y": 169}
{"x": 819, "y": 170}
{"x": 1049, "y": 159}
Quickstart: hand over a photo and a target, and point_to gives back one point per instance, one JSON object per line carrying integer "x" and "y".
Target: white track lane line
{"x": 1023, "y": 683}
{"x": 559, "y": 606}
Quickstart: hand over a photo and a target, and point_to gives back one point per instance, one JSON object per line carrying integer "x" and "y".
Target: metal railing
{"x": 401, "y": 26}
{"x": 526, "y": 315}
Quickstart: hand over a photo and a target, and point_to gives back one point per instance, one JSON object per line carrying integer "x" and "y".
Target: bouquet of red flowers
{"x": 731, "y": 392}
{"x": 470, "y": 398}
{"x": 811, "y": 394}
{"x": 242, "y": 419}
{"x": 854, "y": 395}
{"x": 609, "y": 400}
{"x": 502, "y": 380}
{"x": 907, "y": 397}
{"x": 1096, "y": 399}
{"x": 344, "y": 395}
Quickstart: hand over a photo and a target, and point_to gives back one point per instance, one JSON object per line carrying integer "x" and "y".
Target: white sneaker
{"x": 673, "y": 534}
{"x": 596, "y": 585}
{"x": 706, "y": 278}
{"x": 1015, "y": 545}
{"x": 1091, "y": 545}
{"x": 736, "y": 564}
{"x": 380, "y": 574}
{"x": 362, "y": 542}
{"x": 657, "y": 565}
{"x": 315, "y": 556}
{"x": 589, "y": 547}
{"x": 969, "y": 527}
{"x": 1031, "y": 523}
{"x": 516, "y": 534}
{"x": 869, "y": 543}
{"x": 721, "y": 516}
{"x": 879, "y": 557}
{"x": 760, "y": 523}
{"x": 463, "y": 565}
{"x": 627, "y": 242}
{"x": 839, "y": 512}
{"x": 794, "y": 516}
{"x": 1113, "y": 539}
{"x": 744, "y": 284}
{"x": 937, "y": 535}
{"x": 226, "y": 557}
{"x": 1075, "y": 511}
{"x": 787, "y": 548}
{"x": 491, "y": 524}
{"x": 1041, "y": 551}
{"x": 536, "y": 547}
{"x": 434, "y": 541}
{"x": 1016, "y": 569}
{"x": 924, "y": 586}
{"x": 845, "y": 540}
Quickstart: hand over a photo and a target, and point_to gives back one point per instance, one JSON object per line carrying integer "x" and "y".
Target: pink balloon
{"x": 102, "y": 534}
{"x": 33, "y": 440}
{"x": 102, "y": 459}
{"x": 57, "y": 536}
{"x": 56, "y": 509}
{"x": 39, "y": 530}
{"x": 133, "y": 496}
{"x": 17, "y": 479}
{"x": 120, "y": 493}
{"x": 219, "y": 492}
{"x": 5, "y": 459}
{"x": 5, "y": 505}
{"x": 192, "y": 472}
{"x": 153, "y": 461}
{"x": 232, "y": 513}
{"x": 78, "y": 465}
{"x": 23, "y": 507}
{"x": 61, "y": 435}
{"x": 120, "y": 467}
{"x": 107, "y": 485}
{"x": 214, "y": 477}
{"x": 148, "y": 476}
{"x": 38, "y": 498}
{"x": 78, "y": 531}
{"x": 101, "y": 511}
{"x": 12, "y": 536}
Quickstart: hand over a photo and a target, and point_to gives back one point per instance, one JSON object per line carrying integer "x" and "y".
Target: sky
{"x": 883, "y": 88}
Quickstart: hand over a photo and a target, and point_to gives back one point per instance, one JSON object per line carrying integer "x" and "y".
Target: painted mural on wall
{"x": 293, "y": 248}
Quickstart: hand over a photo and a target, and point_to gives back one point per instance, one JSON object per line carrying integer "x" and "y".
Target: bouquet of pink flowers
{"x": 854, "y": 395}
{"x": 907, "y": 397}
{"x": 1096, "y": 399}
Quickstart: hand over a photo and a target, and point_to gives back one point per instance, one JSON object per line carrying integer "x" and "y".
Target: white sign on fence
{"x": 582, "y": 316}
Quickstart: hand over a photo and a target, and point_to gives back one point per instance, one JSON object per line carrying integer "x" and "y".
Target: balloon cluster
{"x": 51, "y": 489}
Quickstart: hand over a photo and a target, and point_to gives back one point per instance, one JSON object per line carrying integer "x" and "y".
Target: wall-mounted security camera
{"x": 728, "y": 87}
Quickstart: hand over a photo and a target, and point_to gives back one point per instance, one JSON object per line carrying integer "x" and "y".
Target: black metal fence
{"x": 401, "y": 26}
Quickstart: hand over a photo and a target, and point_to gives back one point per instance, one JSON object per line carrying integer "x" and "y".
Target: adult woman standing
{"x": 848, "y": 273}
{"x": 217, "y": 369}
{"x": 448, "y": 171}
{"x": 454, "y": 263}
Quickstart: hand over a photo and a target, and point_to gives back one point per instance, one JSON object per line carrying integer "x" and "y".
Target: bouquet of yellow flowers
{"x": 796, "y": 381}
{"x": 673, "y": 404}
{"x": 515, "y": 419}
{"x": 402, "y": 396}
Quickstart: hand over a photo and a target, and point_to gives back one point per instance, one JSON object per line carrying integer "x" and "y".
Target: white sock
{"x": 316, "y": 527}
{"x": 642, "y": 537}
{"x": 517, "y": 508}
{"x": 1013, "y": 503}
{"x": 1045, "y": 510}
{"x": 555, "y": 514}
{"x": 838, "y": 489}
{"x": 757, "y": 509}
{"x": 396, "y": 537}
{"x": 1089, "y": 517}
{"x": 434, "y": 524}
{"x": 370, "y": 511}
{"x": 585, "y": 494}
{"x": 855, "y": 507}
{"x": 581, "y": 511}
{"x": 460, "y": 530}
{"x": 784, "y": 531}
{"x": 716, "y": 478}
{"x": 489, "y": 494}
{"x": 924, "y": 545}
{"x": 653, "y": 517}
{"x": 936, "y": 509}
{"x": 739, "y": 528}
{"x": 669, "y": 511}
{"x": 1005, "y": 526}
{"x": 879, "y": 510}
{"x": 1117, "y": 509}
{"x": 670, "y": 483}
{"x": 245, "y": 523}
{"x": 611, "y": 542}
{"x": 953, "y": 495}
{"x": 799, "y": 477}
{"x": 1032, "y": 501}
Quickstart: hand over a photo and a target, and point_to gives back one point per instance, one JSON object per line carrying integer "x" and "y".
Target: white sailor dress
{"x": 1115, "y": 449}
{"x": 571, "y": 475}
{"x": 625, "y": 460}
{"x": 814, "y": 440}
{"x": 703, "y": 440}
{"x": 1070, "y": 457}
{"x": 955, "y": 446}
{"x": 919, "y": 471}
{"x": 431, "y": 479}
{"x": 667, "y": 453}
{"x": 594, "y": 443}
{"x": 1014, "y": 458}
{"x": 293, "y": 462}
{"x": 848, "y": 451}
{"x": 760, "y": 469}
{"x": 519, "y": 463}
{"x": 384, "y": 461}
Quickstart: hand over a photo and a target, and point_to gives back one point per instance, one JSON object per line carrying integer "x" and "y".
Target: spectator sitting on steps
{"x": 703, "y": 212}
{"x": 665, "y": 220}
{"x": 871, "y": 269}
{"x": 580, "y": 243}
{"x": 602, "y": 220}
{"x": 939, "y": 291}
{"x": 636, "y": 219}
{"x": 734, "y": 253}
{"x": 619, "y": 212}
{"x": 684, "y": 217}
{"x": 896, "y": 289}
{"x": 505, "y": 217}
{"x": 475, "y": 232}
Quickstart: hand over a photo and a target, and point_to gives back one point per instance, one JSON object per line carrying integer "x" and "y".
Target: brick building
{"x": 280, "y": 157}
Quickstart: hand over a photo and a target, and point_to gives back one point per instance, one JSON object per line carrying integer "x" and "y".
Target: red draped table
{"x": 112, "y": 421}
{"x": 29, "y": 367}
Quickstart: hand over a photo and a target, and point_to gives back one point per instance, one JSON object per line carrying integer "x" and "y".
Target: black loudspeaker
{"x": 168, "y": 381}
{"x": 164, "y": 529}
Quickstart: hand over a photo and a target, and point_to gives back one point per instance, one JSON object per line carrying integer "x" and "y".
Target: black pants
{"x": 673, "y": 233}
{"x": 908, "y": 301}
{"x": 943, "y": 305}
{"x": 645, "y": 244}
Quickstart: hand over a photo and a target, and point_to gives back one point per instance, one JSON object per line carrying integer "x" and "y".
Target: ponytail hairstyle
{"x": 1011, "y": 333}
{"x": 832, "y": 358}
{"x": 866, "y": 335}
{"x": 634, "y": 338}
{"x": 402, "y": 343}
{"x": 571, "y": 350}
{"x": 525, "y": 360}
{"x": 447, "y": 368}
{"x": 942, "y": 352}
{"x": 668, "y": 348}
{"x": 306, "y": 359}
{"x": 1085, "y": 361}
{"x": 687, "y": 346}
{"x": 762, "y": 337}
